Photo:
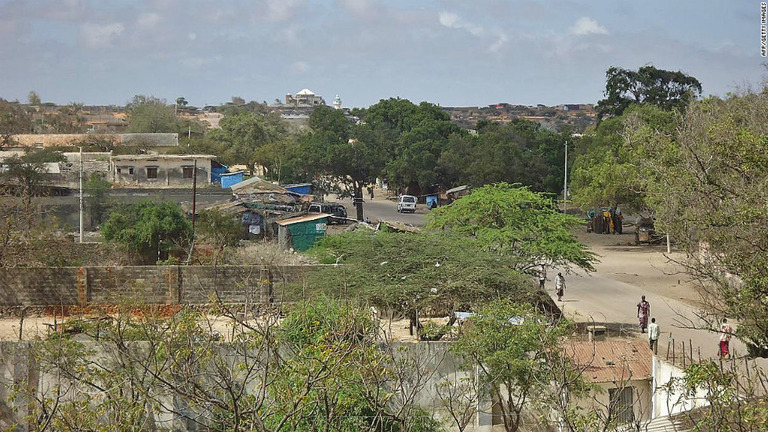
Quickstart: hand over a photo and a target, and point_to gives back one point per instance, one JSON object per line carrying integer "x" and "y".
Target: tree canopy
{"x": 648, "y": 85}
{"x": 148, "y": 228}
{"x": 523, "y": 226}
{"x": 148, "y": 114}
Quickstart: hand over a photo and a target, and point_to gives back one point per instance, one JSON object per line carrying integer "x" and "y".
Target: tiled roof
{"x": 609, "y": 361}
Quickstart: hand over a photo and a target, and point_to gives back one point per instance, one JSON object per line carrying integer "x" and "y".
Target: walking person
{"x": 542, "y": 276}
{"x": 560, "y": 286}
{"x": 653, "y": 336}
{"x": 643, "y": 310}
{"x": 726, "y": 331}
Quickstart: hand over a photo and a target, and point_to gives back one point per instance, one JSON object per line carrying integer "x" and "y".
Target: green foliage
{"x": 409, "y": 272}
{"x": 148, "y": 228}
{"x": 665, "y": 89}
{"x": 608, "y": 168}
{"x": 14, "y": 119}
{"x": 97, "y": 201}
{"x": 514, "y": 349}
{"x": 244, "y": 134}
{"x": 707, "y": 183}
{"x": 148, "y": 114}
{"x": 522, "y": 226}
{"x": 219, "y": 229}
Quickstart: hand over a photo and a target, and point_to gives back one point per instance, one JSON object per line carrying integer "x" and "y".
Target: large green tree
{"x": 523, "y": 226}
{"x": 148, "y": 114}
{"x": 148, "y": 228}
{"x": 245, "y": 134}
{"x": 648, "y": 85}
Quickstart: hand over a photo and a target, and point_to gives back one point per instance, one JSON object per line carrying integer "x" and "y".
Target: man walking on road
{"x": 726, "y": 331}
{"x": 643, "y": 310}
{"x": 653, "y": 336}
{"x": 542, "y": 276}
{"x": 560, "y": 286}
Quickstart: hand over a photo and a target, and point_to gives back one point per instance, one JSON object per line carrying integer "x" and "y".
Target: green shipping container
{"x": 304, "y": 231}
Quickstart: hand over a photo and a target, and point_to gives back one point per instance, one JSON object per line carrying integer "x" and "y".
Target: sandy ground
{"x": 648, "y": 267}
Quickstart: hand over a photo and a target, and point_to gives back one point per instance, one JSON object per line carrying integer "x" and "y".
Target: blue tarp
{"x": 227, "y": 180}
{"x": 303, "y": 188}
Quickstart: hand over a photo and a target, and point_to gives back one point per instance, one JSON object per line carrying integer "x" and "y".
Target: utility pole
{"x": 194, "y": 196}
{"x": 565, "y": 180}
{"x": 81, "y": 194}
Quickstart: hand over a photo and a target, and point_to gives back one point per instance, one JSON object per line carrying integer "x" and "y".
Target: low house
{"x": 623, "y": 369}
{"x": 301, "y": 232}
{"x": 161, "y": 170}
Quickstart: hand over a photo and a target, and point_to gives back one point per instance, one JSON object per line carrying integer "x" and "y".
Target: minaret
{"x": 337, "y": 102}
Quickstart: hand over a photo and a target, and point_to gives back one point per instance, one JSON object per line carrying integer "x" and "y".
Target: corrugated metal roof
{"x": 305, "y": 218}
{"x": 609, "y": 361}
{"x": 457, "y": 189}
{"x": 256, "y": 185}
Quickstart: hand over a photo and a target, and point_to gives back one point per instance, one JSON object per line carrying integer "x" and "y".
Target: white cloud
{"x": 500, "y": 42}
{"x": 586, "y": 26}
{"x": 100, "y": 35}
{"x": 192, "y": 36}
{"x": 148, "y": 20}
{"x": 299, "y": 67}
{"x": 281, "y": 10}
{"x": 452, "y": 20}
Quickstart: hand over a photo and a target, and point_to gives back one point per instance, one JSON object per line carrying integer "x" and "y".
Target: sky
{"x": 448, "y": 52}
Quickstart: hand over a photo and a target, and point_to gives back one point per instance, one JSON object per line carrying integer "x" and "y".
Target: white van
{"x": 406, "y": 203}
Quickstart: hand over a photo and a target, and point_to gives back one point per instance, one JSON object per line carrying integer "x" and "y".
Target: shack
{"x": 301, "y": 232}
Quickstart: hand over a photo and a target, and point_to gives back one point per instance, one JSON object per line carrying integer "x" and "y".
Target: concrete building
{"x": 623, "y": 370}
{"x": 160, "y": 170}
{"x": 304, "y": 97}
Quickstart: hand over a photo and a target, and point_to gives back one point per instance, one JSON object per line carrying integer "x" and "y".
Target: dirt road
{"x": 624, "y": 274}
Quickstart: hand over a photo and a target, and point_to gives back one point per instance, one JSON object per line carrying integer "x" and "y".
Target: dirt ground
{"x": 647, "y": 267}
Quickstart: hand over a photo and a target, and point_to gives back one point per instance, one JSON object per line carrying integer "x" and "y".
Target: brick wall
{"x": 69, "y": 286}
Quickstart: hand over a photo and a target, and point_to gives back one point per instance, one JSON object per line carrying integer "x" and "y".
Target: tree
{"x": 148, "y": 228}
{"x": 245, "y": 134}
{"x": 353, "y": 156}
{"x": 33, "y": 98}
{"x": 707, "y": 184}
{"x": 97, "y": 202}
{"x": 648, "y": 85}
{"x": 25, "y": 175}
{"x": 148, "y": 114}
{"x": 512, "y": 347}
{"x": 523, "y": 226}
{"x": 219, "y": 229}
{"x": 181, "y": 101}
{"x": 14, "y": 119}
{"x": 413, "y": 273}
{"x": 322, "y": 368}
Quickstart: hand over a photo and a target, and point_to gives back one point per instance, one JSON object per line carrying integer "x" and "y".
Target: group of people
{"x": 606, "y": 221}
{"x": 644, "y": 311}
{"x": 643, "y": 314}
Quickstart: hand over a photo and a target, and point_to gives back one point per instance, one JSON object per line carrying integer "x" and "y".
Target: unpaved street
{"x": 627, "y": 272}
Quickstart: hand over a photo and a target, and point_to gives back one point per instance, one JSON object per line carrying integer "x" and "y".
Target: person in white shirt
{"x": 726, "y": 331}
{"x": 560, "y": 286}
{"x": 653, "y": 336}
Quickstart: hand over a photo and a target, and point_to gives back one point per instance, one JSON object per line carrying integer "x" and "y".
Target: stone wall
{"x": 82, "y": 286}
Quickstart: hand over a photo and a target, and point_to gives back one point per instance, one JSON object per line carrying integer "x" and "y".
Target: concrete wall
{"x": 65, "y": 140}
{"x": 80, "y": 286}
{"x": 169, "y": 172}
{"x": 666, "y": 403}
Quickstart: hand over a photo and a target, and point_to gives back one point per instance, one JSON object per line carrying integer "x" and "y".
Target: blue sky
{"x": 449, "y": 52}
